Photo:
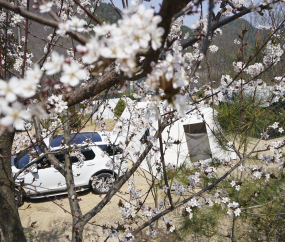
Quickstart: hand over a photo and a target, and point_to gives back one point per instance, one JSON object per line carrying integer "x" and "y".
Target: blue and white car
{"x": 98, "y": 171}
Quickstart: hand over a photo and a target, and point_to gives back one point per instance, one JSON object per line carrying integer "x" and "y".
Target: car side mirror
{"x": 34, "y": 169}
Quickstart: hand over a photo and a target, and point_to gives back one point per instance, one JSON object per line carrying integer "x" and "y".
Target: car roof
{"x": 76, "y": 138}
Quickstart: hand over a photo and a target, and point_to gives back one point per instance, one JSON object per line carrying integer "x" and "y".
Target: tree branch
{"x": 81, "y": 39}
{"x": 224, "y": 22}
{"x": 163, "y": 162}
{"x": 88, "y": 13}
{"x": 94, "y": 88}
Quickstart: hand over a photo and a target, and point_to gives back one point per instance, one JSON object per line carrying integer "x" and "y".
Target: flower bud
{"x": 47, "y": 80}
{"x": 56, "y": 86}
{"x": 152, "y": 64}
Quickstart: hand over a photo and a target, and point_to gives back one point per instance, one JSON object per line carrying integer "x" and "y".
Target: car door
{"x": 44, "y": 179}
{"x": 82, "y": 171}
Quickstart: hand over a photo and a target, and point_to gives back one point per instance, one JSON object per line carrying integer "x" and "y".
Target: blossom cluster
{"x": 56, "y": 106}
{"x": 72, "y": 73}
{"x": 137, "y": 28}
{"x": 273, "y": 53}
{"x": 13, "y": 111}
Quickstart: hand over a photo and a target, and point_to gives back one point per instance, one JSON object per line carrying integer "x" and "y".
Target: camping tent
{"x": 193, "y": 136}
{"x": 106, "y": 109}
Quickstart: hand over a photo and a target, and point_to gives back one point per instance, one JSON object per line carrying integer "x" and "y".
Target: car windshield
{"x": 23, "y": 158}
{"x": 77, "y": 138}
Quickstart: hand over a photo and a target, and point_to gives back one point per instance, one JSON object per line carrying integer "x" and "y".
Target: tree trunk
{"x": 77, "y": 231}
{"x": 234, "y": 236}
{"x": 10, "y": 222}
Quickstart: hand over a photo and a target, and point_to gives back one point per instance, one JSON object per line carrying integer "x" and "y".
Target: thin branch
{"x": 224, "y": 22}
{"x": 88, "y": 13}
{"x": 187, "y": 199}
{"x": 42, "y": 20}
{"x": 116, "y": 9}
{"x": 26, "y": 41}
{"x": 6, "y": 43}
{"x": 54, "y": 161}
{"x": 209, "y": 29}
{"x": 163, "y": 162}
{"x": 123, "y": 3}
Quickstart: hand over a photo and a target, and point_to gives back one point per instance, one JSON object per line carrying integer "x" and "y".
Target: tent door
{"x": 197, "y": 141}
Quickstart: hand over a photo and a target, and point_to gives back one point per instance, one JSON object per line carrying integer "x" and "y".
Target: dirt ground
{"x": 45, "y": 220}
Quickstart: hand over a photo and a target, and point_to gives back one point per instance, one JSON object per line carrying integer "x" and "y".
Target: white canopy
{"x": 106, "y": 109}
{"x": 193, "y": 136}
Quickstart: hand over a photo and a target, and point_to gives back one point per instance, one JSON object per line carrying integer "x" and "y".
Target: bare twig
{"x": 116, "y": 9}
{"x": 26, "y": 41}
{"x": 163, "y": 162}
{"x": 42, "y": 20}
{"x": 88, "y": 13}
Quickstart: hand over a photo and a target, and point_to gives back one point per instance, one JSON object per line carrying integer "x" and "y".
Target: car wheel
{"x": 101, "y": 183}
{"x": 19, "y": 197}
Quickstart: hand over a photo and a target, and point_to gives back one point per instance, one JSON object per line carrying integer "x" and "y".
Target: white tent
{"x": 194, "y": 139}
{"x": 106, "y": 109}
{"x": 262, "y": 94}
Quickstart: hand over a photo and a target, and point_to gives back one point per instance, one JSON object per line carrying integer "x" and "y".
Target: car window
{"x": 23, "y": 158}
{"x": 88, "y": 154}
{"x": 43, "y": 163}
{"x": 109, "y": 150}
{"x": 61, "y": 158}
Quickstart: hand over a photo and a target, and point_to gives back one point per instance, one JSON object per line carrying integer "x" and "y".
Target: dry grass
{"x": 91, "y": 125}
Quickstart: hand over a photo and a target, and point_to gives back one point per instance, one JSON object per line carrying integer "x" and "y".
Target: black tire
{"x": 19, "y": 197}
{"x": 101, "y": 183}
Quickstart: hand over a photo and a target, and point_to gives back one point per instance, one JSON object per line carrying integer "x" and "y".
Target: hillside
{"x": 220, "y": 62}
{"x": 105, "y": 12}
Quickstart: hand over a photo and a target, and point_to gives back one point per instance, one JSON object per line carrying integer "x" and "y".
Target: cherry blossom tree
{"x": 104, "y": 57}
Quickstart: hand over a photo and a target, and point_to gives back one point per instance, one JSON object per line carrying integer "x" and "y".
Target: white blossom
{"x": 45, "y": 7}
{"x": 15, "y": 116}
{"x": 72, "y": 74}
{"x": 54, "y": 65}
{"x": 10, "y": 89}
